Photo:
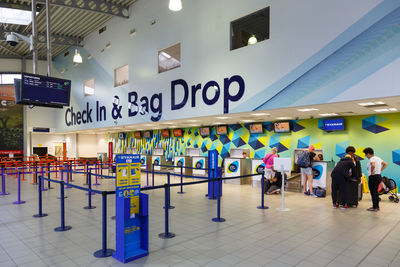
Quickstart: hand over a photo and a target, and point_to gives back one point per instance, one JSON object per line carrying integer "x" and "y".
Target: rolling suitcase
{"x": 353, "y": 193}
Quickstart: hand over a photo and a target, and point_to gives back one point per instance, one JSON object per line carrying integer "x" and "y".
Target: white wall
{"x": 89, "y": 145}
{"x": 50, "y": 140}
{"x": 15, "y": 65}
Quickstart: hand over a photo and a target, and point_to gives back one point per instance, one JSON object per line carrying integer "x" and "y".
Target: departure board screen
{"x": 45, "y": 91}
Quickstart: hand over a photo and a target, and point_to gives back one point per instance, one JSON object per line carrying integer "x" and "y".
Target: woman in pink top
{"x": 269, "y": 163}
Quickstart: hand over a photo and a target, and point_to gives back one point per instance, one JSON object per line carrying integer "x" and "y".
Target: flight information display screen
{"x": 45, "y": 91}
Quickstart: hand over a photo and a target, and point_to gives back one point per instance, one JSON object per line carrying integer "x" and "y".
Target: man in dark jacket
{"x": 352, "y": 152}
{"x": 343, "y": 171}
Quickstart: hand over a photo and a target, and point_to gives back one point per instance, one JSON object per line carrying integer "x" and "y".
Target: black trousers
{"x": 373, "y": 184}
{"x": 338, "y": 186}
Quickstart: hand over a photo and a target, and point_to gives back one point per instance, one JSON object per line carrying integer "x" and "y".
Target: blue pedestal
{"x": 132, "y": 234}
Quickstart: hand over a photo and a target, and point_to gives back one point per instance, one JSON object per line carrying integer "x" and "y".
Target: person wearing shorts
{"x": 269, "y": 163}
{"x": 307, "y": 173}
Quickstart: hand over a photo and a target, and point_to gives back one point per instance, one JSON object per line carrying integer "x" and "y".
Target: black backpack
{"x": 303, "y": 159}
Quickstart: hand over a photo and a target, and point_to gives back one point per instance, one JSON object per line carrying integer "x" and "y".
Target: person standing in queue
{"x": 307, "y": 172}
{"x": 352, "y": 152}
{"x": 269, "y": 163}
{"x": 343, "y": 171}
{"x": 375, "y": 166}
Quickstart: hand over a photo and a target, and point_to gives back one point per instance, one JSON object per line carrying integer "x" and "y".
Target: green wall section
{"x": 377, "y": 131}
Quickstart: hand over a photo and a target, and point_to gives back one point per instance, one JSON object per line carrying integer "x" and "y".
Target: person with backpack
{"x": 375, "y": 166}
{"x": 350, "y": 150}
{"x": 343, "y": 171}
{"x": 269, "y": 163}
{"x": 304, "y": 161}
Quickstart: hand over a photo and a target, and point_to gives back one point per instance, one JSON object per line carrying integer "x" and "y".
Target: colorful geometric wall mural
{"x": 378, "y": 132}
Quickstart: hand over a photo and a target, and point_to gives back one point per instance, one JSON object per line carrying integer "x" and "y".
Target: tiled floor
{"x": 310, "y": 234}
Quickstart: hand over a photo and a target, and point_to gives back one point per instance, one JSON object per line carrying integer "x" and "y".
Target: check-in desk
{"x": 237, "y": 165}
{"x": 257, "y": 167}
{"x": 183, "y": 161}
{"x": 145, "y": 161}
{"x": 158, "y": 158}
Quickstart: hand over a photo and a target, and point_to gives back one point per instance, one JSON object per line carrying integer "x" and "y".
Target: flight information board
{"x": 45, "y": 91}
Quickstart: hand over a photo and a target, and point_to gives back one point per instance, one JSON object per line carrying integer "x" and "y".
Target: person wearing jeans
{"x": 375, "y": 166}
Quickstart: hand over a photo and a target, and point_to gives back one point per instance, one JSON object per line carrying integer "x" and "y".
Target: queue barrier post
{"x": 167, "y": 234}
{"x": 152, "y": 174}
{"x": 3, "y": 183}
{"x": 42, "y": 180}
{"x": 262, "y": 206}
{"x": 89, "y": 194}
{"x": 62, "y": 210}
{"x": 169, "y": 195}
{"x": 40, "y": 214}
{"x": 147, "y": 174}
{"x": 68, "y": 177}
{"x": 36, "y": 173}
{"x": 218, "y": 218}
{"x": 181, "y": 192}
{"x": 19, "y": 201}
{"x": 104, "y": 251}
{"x": 86, "y": 175}
{"x": 97, "y": 173}
{"x": 48, "y": 177}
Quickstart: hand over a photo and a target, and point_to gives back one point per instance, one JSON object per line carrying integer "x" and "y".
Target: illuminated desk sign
{"x": 131, "y": 211}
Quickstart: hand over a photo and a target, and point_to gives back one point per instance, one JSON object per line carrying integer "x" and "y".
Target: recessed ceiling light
{"x": 260, "y": 114}
{"x": 148, "y": 125}
{"x": 217, "y": 123}
{"x": 328, "y": 114}
{"x": 366, "y": 104}
{"x": 246, "y": 121}
{"x": 168, "y": 123}
{"x": 385, "y": 109}
{"x": 222, "y": 118}
{"x": 191, "y": 120}
{"x": 284, "y": 118}
{"x": 307, "y": 109}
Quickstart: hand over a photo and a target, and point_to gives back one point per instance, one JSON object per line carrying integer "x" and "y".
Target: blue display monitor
{"x": 44, "y": 91}
{"x": 334, "y": 124}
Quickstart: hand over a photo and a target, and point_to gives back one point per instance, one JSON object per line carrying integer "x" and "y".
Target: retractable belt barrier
{"x": 67, "y": 169}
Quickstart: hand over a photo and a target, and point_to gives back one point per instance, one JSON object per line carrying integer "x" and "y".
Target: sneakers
{"x": 373, "y": 209}
{"x": 313, "y": 195}
{"x": 307, "y": 193}
{"x": 344, "y": 207}
{"x": 335, "y": 206}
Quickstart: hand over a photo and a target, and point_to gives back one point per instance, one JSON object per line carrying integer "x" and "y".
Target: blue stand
{"x": 135, "y": 244}
{"x": 214, "y": 172}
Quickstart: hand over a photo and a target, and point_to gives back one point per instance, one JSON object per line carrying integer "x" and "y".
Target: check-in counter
{"x": 145, "y": 161}
{"x": 200, "y": 164}
{"x": 158, "y": 158}
{"x": 183, "y": 161}
{"x": 257, "y": 167}
{"x": 237, "y": 165}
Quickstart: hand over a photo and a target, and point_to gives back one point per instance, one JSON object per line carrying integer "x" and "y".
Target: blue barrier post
{"x": 147, "y": 174}
{"x": 169, "y": 195}
{"x": 89, "y": 194}
{"x": 86, "y": 170}
{"x": 36, "y": 171}
{"x": 167, "y": 234}
{"x": 3, "y": 183}
{"x": 262, "y": 207}
{"x": 181, "y": 192}
{"x": 96, "y": 170}
{"x": 42, "y": 174}
{"x": 218, "y": 218}
{"x": 89, "y": 179}
{"x": 62, "y": 197}
{"x": 104, "y": 252}
{"x": 152, "y": 174}
{"x": 68, "y": 177}
{"x": 19, "y": 201}
{"x": 40, "y": 214}
{"x": 48, "y": 177}
{"x": 62, "y": 173}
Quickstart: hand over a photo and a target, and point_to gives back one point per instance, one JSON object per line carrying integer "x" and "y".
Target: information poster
{"x": 128, "y": 180}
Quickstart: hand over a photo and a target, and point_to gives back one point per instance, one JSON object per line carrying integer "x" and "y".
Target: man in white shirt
{"x": 375, "y": 166}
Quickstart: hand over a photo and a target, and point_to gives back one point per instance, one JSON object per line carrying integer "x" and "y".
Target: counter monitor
{"x": 147, "y": 134}
{"x": 205, "y": 131}
{"x": 165, "y": 133}
{"x": 256, "y": 128}
{"x": 282, "y": 127}
{"x": 221, "y": 130}
{"x": 177, "y": 132}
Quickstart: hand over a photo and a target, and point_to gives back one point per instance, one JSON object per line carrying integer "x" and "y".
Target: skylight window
{"x": 15, "y": 16}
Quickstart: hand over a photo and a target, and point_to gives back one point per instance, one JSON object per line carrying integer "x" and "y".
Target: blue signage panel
{"x": 131, "y": 211}
{"x": 334, "y": 124}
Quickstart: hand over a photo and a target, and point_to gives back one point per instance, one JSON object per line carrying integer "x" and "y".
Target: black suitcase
{"x": 353, "y": 193}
